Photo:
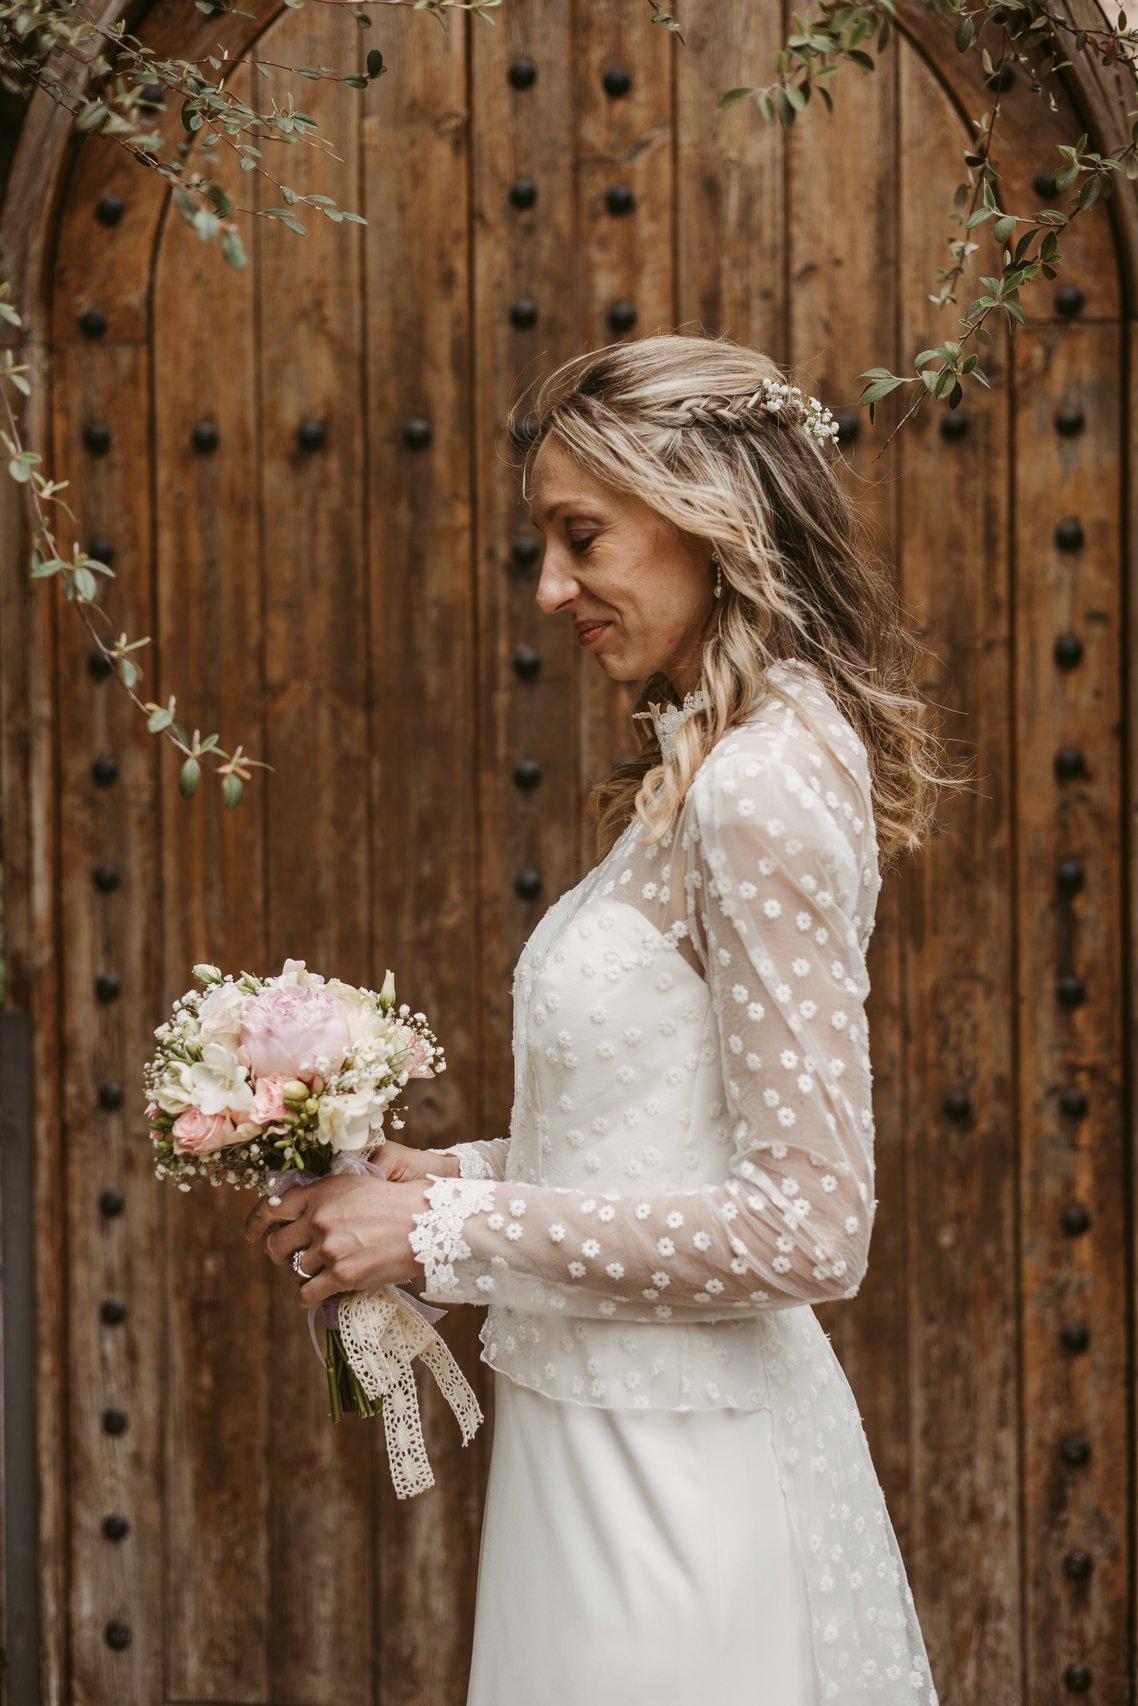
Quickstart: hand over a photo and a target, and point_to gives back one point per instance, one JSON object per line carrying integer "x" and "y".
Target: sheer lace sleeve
{"x": 483, "y": 1158}
{"x": 772, "y": 886}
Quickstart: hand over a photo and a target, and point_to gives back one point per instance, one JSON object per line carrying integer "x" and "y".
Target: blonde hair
{"x": 674, "y": 421}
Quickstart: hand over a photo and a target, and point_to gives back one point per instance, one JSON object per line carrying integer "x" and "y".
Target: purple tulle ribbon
{"x": 278, "y": 1183}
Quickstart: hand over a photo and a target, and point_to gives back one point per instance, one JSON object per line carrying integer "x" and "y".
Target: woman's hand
{"x": 353, "y": 1231}
{"x": 399, "y": 1162}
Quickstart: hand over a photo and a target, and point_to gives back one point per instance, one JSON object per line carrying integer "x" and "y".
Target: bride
{"x": 681, "y": 1499}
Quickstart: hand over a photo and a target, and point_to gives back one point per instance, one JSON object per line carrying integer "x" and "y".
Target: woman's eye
{"x": 580, "y": 546}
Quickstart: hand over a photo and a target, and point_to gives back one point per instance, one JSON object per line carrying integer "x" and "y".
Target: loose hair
{"x": 679, "y": 422}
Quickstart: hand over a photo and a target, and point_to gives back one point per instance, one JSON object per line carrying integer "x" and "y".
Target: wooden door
{"x": 300, "y": 470}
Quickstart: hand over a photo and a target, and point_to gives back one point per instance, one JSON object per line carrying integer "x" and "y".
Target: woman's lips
{"x": 589, "y": 632}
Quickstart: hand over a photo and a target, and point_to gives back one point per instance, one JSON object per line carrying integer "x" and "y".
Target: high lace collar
{"x": 666, "y": 719}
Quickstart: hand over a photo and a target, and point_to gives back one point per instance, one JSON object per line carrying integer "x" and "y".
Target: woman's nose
{"x": 556, "y": 585}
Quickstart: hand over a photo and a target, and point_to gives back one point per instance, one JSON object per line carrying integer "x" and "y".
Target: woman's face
{"x": 637, "y": 590}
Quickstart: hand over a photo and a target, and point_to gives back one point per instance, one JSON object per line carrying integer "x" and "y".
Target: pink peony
{"x": 286, "y": 1030}
{"x": 195, "y": 1133}
{"x": 268, "y": 1099}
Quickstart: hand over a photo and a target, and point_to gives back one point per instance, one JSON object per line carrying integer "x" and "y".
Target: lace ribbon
{"x": 382, "y": 1333}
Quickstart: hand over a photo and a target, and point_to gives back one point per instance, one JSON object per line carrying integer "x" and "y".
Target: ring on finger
{"x": 297, "y": 1268}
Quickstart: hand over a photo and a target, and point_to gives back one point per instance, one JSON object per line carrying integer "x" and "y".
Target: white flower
{"x": 349, "y": 1120}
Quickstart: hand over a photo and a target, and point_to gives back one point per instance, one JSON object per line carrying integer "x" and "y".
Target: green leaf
{"x": 232, "y": 789}
{"x": 874, "y": 393}
{"x": 1003, "y": 228}
{"x": 159, "y": 719}
{"x": 189, "y": 777}
{"x": 19, "y": 471}
{"x": 232, "y": 247}
{"x": 85, "y": 584}
{"x": 964, "y": 34}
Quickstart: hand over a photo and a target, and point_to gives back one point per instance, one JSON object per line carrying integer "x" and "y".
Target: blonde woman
{"x": 681, "y": 1499}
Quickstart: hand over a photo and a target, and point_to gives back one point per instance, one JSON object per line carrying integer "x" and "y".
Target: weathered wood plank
{"x": 624, "y": 147}
{"x": 729, "y": 180}
{"x": 846, "y": 271}
{"x": 519, "y": 133}
{"x": 955, "y": 904}
{"x": 318, "y": 868}
{"x": 422, "y": 773}
{"x": 117, "y": 1367}
{"x": 209, "y": 591}
{"x": 1071, "y": 1159}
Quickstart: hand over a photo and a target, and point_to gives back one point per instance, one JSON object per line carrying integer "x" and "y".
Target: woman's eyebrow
{"x": 565, "y": 503}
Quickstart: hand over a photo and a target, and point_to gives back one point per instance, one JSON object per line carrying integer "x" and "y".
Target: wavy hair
{"x": 679, "y": 422}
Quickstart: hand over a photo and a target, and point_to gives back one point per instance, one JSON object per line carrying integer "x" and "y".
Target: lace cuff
{"x": 481, "y": 1159}
{"x": 436, "y": 1235}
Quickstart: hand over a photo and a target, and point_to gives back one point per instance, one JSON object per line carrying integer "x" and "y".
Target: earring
{"x": 718, "y": 567}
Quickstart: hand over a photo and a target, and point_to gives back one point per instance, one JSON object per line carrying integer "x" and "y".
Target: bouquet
{"x": 268, "y": 1083}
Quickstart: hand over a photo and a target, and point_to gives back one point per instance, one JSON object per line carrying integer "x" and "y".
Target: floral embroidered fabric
{"x": 690, "y": 1159}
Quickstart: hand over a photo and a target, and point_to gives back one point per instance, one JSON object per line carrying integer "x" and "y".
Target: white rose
{"x": 218, "y": 1015}
{"x": 349, "y": 1120}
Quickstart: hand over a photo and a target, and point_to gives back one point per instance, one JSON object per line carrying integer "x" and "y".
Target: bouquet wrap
{"x": 382, "y": 1333}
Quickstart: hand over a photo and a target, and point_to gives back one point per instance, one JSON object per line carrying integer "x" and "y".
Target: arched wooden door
{"x": 298, "y": 470}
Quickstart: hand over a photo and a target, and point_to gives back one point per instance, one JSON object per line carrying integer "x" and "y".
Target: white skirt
{"x": 636, "y": 1556}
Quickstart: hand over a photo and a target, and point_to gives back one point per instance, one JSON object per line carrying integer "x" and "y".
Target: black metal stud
{"x": 1074, "y": 1219}
{"x": 957, "y": 1105}
{"x": 117, "y": 1635}
{"x": 619, "y": 199}
{"x": 1069, "y": 762}
{"x": 1070, "y": 420}
{"x": 954, "y": 424}
{"x": 849, "y": 425}
{"x": 1078, "y": 1678}
{"x": 1074, "y": 1336}
{"x": 617, "y": 82}
{"x": 98, "y": 663}
{"x": 1068, "y": 651}
{"x": 417, "y": 434}
{"x": 109, "y": 209}
{"x": 522, "y": 74}
{"x": 205, "y": 438}
{"x": 622, "y": 317}
{"x": 527, "y": 774}
{"x": 1001, "y": 79}
{"x": 527, "y": 884}
{"x": 311, "y": 434}
{"x": 155, "y": 94}
{"x": 1070, "y": 876}
{"x": 101, "y": 549}
{"x": 112, "y": 1312}
{"x": 525, "y": 553}
{"x": 111, "y": 1096}
{"x": 1071, "y": 990}
{"x": 1069, "y": 534}
{"x": 111, "y": 1204}
{"x": 116, "y": 1527}
{"x": 1045, "y": 186}
{"x": 97, "y": 437}
{"x": 1075, "y": 1450}
{"x": 106, "y": 878}
{"x": 1073, "y": 1103}
{"x": 523, "y": 193}
{"x": 1077, "y": 1564}
{"x": 523, "y": 313}
{"x": 114, "y": 1422}
{"x": 93, "y": 323}
{"x": 107, "y": 986}
{"x": 105, "y": 770}
{"x": 1069, "y": 300}
{"x": 527, "y": 664}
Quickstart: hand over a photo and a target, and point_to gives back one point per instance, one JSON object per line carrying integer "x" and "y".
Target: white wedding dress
{"x": 681, "y": 1492}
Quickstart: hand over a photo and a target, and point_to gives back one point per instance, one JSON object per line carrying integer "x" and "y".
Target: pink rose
{"x": 268, "y": 1099}
{"x": 195, "y": 1133}
{"x": 286, "y": 1030}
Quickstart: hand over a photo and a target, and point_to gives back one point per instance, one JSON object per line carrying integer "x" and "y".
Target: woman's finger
{"x": 288, "y": 1205}
{"x": 282, "y": 1240}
